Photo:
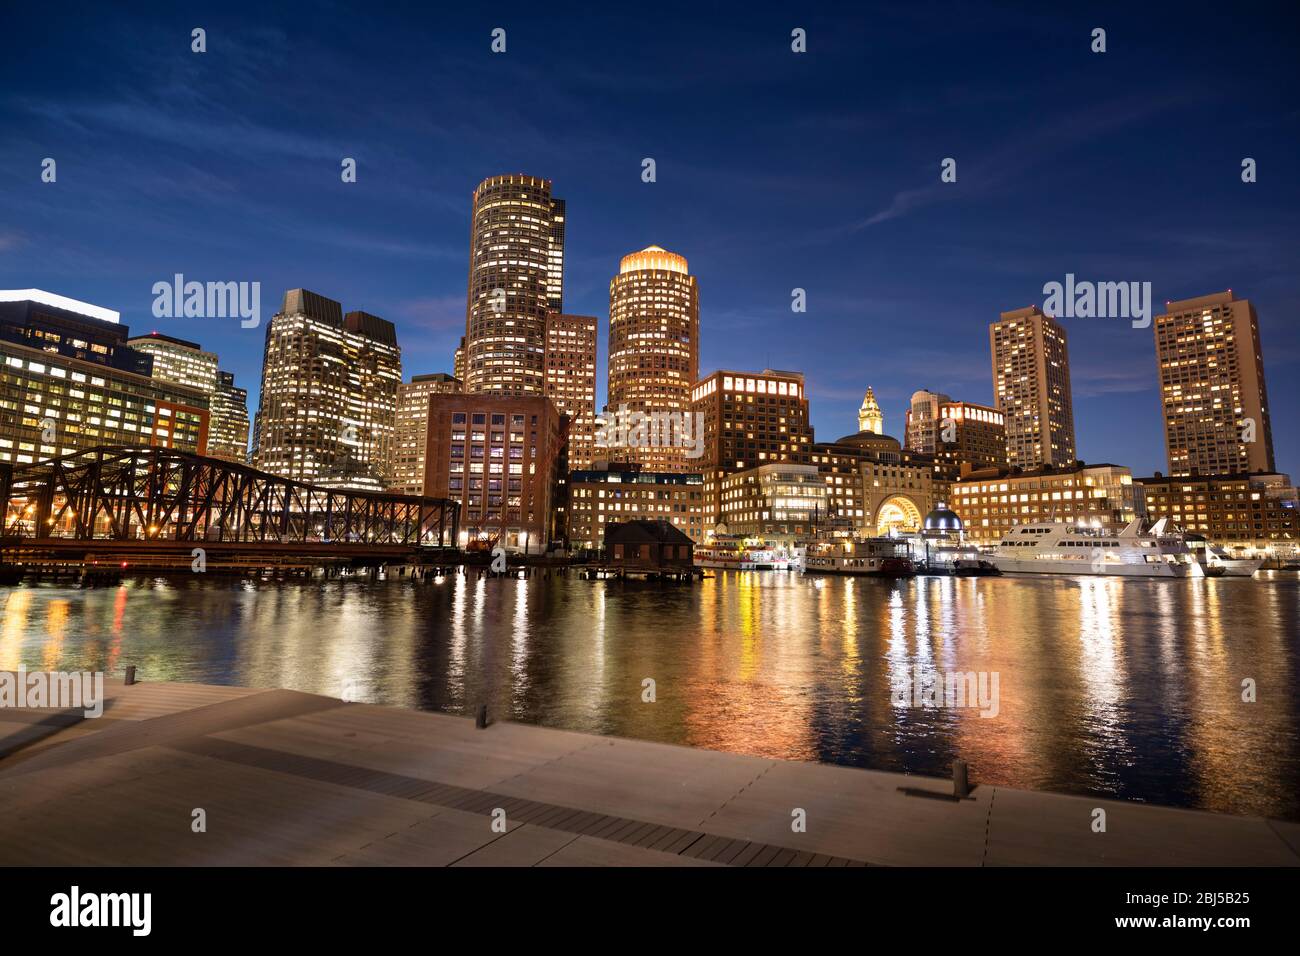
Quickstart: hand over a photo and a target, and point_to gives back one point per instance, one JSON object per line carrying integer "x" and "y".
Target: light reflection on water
{"x": 1120, "y": 687}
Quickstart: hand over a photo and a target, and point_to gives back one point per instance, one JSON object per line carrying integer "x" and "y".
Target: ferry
{"x": 739, "y": 554}
{"x": 1055, "y": 548}
{"x": 869, "y": 557}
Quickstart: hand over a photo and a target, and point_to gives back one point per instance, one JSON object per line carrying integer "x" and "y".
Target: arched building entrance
{"x": 898, "y": 513}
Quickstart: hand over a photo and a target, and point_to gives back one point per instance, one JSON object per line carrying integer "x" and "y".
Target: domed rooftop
{"x": 870, "y": 441}
{"x": 942, "y": 519}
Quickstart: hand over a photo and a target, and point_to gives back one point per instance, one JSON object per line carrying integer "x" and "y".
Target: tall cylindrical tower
{"x": 516, "y": 268}
{"x": 654, "y": 337}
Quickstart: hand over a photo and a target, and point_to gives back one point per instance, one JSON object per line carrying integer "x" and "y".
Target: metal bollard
{"x": 960, "y": 787}
{"x": 480, "y": 717}
{"x": 130, "y": 675}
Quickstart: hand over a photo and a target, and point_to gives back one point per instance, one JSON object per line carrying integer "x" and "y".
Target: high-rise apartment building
{"x": 228, "y": 434}
{"x": 748, "y": 419}
{"x": 957, "y": 433}
{"x": 1212, "y": 387}
{"x": 69, "y": 381}
{"x": 329, "y": 394}
{"x": 177, "y": 360}
{"x": 412, "y": 432}
{"x": 1031, "y": 386}
{"x": 502, "y": 458}
{"x": 570, "y": 380}
{"x": 186, "y": 363}
{"x": 654, "y": 338}
{"x": 516, "y": 277}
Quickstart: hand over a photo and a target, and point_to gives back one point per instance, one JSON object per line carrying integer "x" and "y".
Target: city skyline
{"x": 902, "y": 279}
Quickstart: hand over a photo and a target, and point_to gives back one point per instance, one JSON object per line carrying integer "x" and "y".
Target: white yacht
{"x": 1067, "y": 549}
{"x": 1217, "y": 562}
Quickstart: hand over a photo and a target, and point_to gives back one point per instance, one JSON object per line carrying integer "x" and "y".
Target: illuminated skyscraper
{"x": 571, "y": 380}
{"x": 186, "y": 363}
{"x": 516, "y": 277}
{"x": 1212, "y": 387}
{"x": 1031, "y": 387}
{"x": 329, "y": 394}
{"x": 228, "y": 434}
{"x": 654, "y": 338}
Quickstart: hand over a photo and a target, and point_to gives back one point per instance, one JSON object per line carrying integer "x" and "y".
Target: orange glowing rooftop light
{"x": 653, "y": 257}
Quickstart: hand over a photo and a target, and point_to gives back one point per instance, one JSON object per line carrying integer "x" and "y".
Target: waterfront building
{"x": 874, "y": 485}
{"x": 621, "y": 491}
{"x": 516, "y": 277}
{"x": 654, "y": 339}
{"x": 648, "y": 546}
{"x": 870, "y": 417}
{"x": 69, "y": 380}
{"x": 502, "y": 457}
{"x": 412, "y": 428}
{"x": 1031, "y": 386}
{"x": 993, "y": 502}
{"x": 186, "y": 363}
{"x": 328, "y": 405}
{"x": 228, "y": 432}
{"x": 570, "y": 380}
{"x": 748, "y": 419}
{"x": 1212, "y": 390}
{"x": 956, "y": 432}
{"x": 1253, "y": 513}
{"x": 780, "y": 502}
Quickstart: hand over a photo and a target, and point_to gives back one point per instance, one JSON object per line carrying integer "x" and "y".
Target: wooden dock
{"x": 288, "y": 778}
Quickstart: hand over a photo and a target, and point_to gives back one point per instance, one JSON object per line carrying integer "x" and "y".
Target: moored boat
{"x": 868, "y": 557}
{"x": 1055, "y": 548}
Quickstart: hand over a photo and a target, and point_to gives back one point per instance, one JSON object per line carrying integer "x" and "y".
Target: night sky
{"x": 775, "y": 171}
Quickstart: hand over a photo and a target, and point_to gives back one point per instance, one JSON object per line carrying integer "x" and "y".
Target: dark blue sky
{"x": 775, "y": 170}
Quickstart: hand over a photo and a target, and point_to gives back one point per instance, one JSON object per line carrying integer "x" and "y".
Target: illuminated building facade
{"x": 992, "y": 502}
{"x": 622, "y": 492}
{"x": 780, "y": 501}
{"x": 458, "y": 362}
{"x": 68, "y": 381}
{"x": 1212, "y": 389}
{"x": 179, "y": 361}
{"x": 654, "y": 336}
{"x": 329, "y": 394}
{"x": 571, "y": 380}
{"x": 186, "y": 363}
{"x": 749, "y": 419}
{"x": 874, "y": 485}
{"x": 955, "y": 432}
{"x": 1031, "y": 386}
{"x": 1249, "y": 512}
{"x": 228, "y": 433}
{"x": 502, "y": 458}
{"x": 516, "y": 277}
{"x": 412, "y": 430}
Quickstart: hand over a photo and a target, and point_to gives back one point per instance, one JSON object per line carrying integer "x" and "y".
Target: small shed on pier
{"x": 648, "y": 546}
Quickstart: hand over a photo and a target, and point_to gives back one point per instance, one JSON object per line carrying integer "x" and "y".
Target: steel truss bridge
{"x": 112, "y": 501}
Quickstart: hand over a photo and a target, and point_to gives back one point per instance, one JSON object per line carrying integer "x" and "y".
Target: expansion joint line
{"x": 727, "y": 802}
{"x": 988, "y": 827}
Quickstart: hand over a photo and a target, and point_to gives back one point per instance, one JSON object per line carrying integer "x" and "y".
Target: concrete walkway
{"x": 290, "y": 778}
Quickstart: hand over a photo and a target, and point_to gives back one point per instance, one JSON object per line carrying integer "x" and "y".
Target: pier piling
{"x": 960, "y": 786}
